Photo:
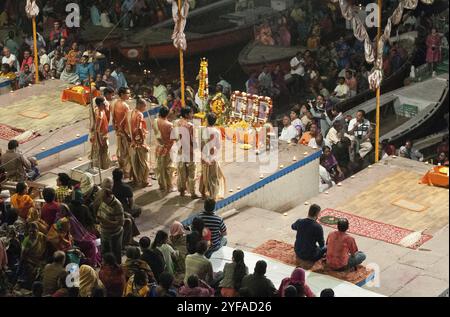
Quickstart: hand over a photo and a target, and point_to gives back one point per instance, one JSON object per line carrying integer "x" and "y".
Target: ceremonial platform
{"x": 43, "y": 120}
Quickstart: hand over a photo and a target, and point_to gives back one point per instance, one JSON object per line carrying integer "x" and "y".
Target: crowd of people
{"x": 41, "y": 242}
{"x": 336, "y": 70}
{"x": 96, "y": 230}
{"x": 126, "y": 14}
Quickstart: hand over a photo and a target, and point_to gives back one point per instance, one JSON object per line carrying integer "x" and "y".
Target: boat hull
{"x": 196, "y": 46}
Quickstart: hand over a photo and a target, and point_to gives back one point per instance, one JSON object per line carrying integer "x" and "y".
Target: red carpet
{"x": 373, "y": 229}
{"x": 284, "y": 253}
{"x": 8, "y": 133}
{"x": 278, "y": 250}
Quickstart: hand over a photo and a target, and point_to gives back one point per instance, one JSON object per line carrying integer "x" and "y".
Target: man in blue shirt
{"x": 85, "y": 71}
{"x": 120, "y": 77}
{"x": 309, "y": 243}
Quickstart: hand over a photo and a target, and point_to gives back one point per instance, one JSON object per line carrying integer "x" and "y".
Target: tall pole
{"x": 377, "y": 127}
{"x": 183, "y": 102}
{"x": 36, "y": 64}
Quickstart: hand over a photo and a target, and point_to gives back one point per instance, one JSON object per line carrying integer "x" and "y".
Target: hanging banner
{"x": 179, "y": 18}
{"x": 31, "y": 9}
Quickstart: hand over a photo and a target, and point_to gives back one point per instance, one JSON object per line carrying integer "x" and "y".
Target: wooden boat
{"x": 212, "y": 27}
{"x": 410, "y": 112}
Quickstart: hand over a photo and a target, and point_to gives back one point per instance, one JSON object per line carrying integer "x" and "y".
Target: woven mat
{"x": 33, "y": 114}
{"x": 410, "y": 205}
{"x": 375, "y": 230}
{"x": 284, "y": 252}
{"x": 8, "y": 133}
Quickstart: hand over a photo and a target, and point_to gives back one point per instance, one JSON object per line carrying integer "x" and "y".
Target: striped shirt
{"x": 217, "y": 227}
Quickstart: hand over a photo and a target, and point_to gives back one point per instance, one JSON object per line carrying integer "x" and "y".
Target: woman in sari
{"x": 89, "y": 280}
{"x": 331, "y": 164}
{"x": 21, "y": 201}
{"x": 84, "y": 239}
{"x": 177, "y": 237}
{"x": 32, "y": 257}
{"x": 74, "y": 55}
{"x": 433, "y": 48}
{"x": 112, "y": 276}
{"x": 298, "y": 280}
{"x": 284, "y": 36}
{"x": 137, "y": 285}
{"x": 59, "y": 235}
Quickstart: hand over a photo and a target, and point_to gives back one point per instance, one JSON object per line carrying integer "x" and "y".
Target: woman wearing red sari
{"x": 433, "y": 48}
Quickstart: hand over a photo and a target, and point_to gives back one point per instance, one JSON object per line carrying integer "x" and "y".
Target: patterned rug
{"x": 8, "y": 133}
{"x": 278, "y": 250}
{"x": 375, "y": 230}
{"x": 284, "y": 252}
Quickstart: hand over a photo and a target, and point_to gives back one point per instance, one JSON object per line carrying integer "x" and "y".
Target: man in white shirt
{"x": 10, "y": 59}
{"x": 297, "y": 73}
{"x": 289, "y": 132}
{"x": 318, "y": 142}
{"x": 359, "y": 131}
{"x": 341, "y": 92}
{"x": 43, "y": 57}
{"x": 325, "y": 181}
{"x": 408, "y": 151}
{"x": 335, "y": 133}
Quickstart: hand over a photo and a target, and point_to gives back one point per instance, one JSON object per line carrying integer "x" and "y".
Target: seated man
{"x": 215, "y": 224}
{"x": 408, "y": 151}
{"x": 309, "y": 243}
{"x": 85, "y": 71}
{"x": 359, "y": 131}
{"x": 257, "y": 284}
{"x": 289, "y": 132}
{"x": 342, "y": 252}
{"x": 197, "y": 264}
{"x": 341, "y": 92}
{"x": 15, "y": 163}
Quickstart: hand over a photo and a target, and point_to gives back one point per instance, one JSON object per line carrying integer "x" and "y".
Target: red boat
{"x": 213, "y": 27}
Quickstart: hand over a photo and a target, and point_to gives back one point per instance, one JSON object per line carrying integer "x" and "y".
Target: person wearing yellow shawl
{"x": 59, "y": 235}
{"x": 212, "y": 180}
{"x": 33, "y": 253}
{"x": 137, "y": 285}
{"x": 89, "y": 280}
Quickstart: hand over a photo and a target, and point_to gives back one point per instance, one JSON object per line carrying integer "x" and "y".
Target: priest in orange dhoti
{"x": 139, "y": 151}
{"x": 212, "y": 180}
{"x": 164, "y": 170}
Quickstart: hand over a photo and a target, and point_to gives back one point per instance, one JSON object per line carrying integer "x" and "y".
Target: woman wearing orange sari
{"x": 21, "y": 201}
{"x": 59, "y": 235}
{"x": 74, "y": 55}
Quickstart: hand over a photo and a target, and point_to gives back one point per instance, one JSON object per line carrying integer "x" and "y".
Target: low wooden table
{"x": 80, "y": 98}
